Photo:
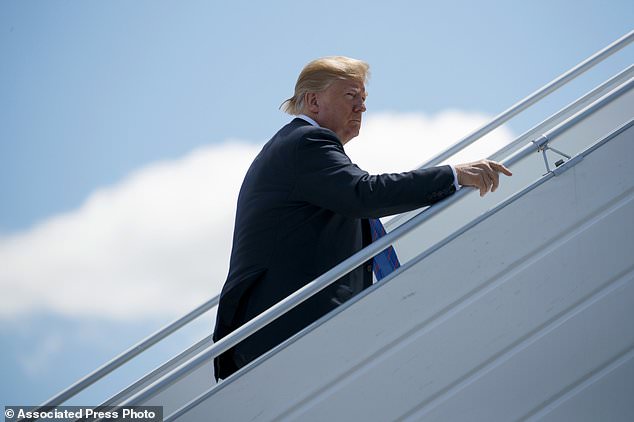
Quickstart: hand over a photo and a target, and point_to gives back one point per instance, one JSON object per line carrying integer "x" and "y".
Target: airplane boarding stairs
{"x": 528, "y": 314}
{"x": 516, "y": 306}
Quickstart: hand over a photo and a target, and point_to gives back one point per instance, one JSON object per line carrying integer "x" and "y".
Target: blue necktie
{"x": 386, "y": 261}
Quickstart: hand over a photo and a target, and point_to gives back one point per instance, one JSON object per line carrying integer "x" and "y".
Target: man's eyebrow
{"x": 357, "y": 90}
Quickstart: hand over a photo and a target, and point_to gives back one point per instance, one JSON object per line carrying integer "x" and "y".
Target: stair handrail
{"x": 531, "y": 99}
{"x": 130, "y": 353}
{"x": 561, "y": 115}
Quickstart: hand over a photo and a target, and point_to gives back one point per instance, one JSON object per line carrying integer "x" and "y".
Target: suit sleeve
{"x": 326, "y": 177}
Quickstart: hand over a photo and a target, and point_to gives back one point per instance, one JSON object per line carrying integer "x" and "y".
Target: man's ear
{"x": 312, "y": 102}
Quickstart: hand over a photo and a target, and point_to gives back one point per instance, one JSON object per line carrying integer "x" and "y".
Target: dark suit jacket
{"x": 302, "y": 209}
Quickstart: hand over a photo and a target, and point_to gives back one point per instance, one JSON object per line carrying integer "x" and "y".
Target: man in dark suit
{"x": 304, "y": 207}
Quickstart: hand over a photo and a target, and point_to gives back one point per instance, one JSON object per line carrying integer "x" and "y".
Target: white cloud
{"x": 395, "y": 142}
{"x": 158, "y": 242}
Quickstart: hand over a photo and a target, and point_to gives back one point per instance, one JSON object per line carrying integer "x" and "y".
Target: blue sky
{"x": 124, "y": 123}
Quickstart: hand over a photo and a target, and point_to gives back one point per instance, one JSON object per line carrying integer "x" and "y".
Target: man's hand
{"x": 483, "y": 175}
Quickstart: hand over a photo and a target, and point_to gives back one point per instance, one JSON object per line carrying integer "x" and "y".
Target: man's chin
{"x": 352, "y": 135}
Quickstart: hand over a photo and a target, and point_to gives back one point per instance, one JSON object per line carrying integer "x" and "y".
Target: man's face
{"x": 339, "y": 108}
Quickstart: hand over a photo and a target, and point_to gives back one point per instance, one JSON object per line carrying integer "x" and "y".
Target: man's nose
{"x": 360, "y": 107}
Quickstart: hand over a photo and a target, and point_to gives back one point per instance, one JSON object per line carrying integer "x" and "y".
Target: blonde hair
{"x": 319, "y": 74}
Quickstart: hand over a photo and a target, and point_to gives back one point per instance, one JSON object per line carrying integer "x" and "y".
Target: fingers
{"x": 483, "y": 175}
{"x": 495, "y": 179}
{"x": 484, "y": 188}
{"x": 500, "y": 168}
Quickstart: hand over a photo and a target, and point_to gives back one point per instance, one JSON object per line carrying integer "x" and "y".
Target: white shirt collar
{"x": 308, "y": 119}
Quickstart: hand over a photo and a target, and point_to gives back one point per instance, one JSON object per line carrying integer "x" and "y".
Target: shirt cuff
{"x": 455, "y": 177}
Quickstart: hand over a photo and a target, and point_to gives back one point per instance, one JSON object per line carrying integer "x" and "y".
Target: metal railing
{"x": 158, "y": 372}
{"x": 336, "y": 272}
{"x": 537, "y": 130}
{"x": 133, "y": 351}
{"x": 360, "y": 257}
{"x": 558, "y": 82}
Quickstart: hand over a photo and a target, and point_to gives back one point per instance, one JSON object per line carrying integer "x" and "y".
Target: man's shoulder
{"x": 296, "y": 139}
{"x": 299, "y": 129}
